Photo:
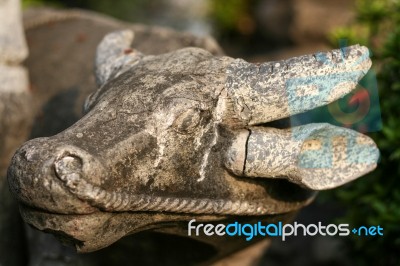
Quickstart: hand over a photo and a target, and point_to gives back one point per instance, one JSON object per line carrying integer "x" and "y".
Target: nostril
{"x": 31, "y": 155}
{"x": 68, "y": 169}
{"x": 68, "y": 165}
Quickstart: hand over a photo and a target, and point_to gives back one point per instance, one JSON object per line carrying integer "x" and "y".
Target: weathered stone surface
{"x": 158, "y": 132}
{"x": 59, "y": 93}
{"x": 61, "y": 68}
{"x": 51, "y": 98}
{"x": 166, "y": 137}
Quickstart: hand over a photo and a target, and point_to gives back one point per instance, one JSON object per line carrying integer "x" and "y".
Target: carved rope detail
{"x": 68, "y": 170}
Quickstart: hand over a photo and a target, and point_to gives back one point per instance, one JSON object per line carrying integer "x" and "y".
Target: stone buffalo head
{"x": 181, "y": 134}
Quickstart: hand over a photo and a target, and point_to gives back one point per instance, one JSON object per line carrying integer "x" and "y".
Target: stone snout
{"x": 43, "y": 174}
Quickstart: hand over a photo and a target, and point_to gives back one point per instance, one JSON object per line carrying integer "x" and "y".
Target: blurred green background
{"x": 375, "y": 199}
{"x": 261, "y": 30}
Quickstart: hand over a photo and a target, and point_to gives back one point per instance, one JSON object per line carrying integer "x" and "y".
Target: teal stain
{"x": 323, "y": 84}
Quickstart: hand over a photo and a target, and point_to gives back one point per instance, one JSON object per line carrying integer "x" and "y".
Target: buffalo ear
{"x": 114, "y": 56}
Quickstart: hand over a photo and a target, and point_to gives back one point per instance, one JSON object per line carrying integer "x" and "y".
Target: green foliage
{"x": 233, "y": 17}
{"x": 375, "y": 199}
{"x": 31, "y": 3}
{"x": 354, "y": 34}
{"x": 228, "y": 15}
{"x": 375, "y": 20}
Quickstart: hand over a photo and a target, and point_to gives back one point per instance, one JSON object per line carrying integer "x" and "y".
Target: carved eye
{"x": 187, "y": 121}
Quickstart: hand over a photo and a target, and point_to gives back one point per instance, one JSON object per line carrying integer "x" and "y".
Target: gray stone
{"x": 61, "y": 69}
{"x": 171, "y": 134}
{"x": 160, "y": 129}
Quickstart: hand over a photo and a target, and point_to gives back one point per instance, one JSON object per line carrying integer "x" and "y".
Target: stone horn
{"x": 269, "y": 91}
{"x": 315, "y": 156}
